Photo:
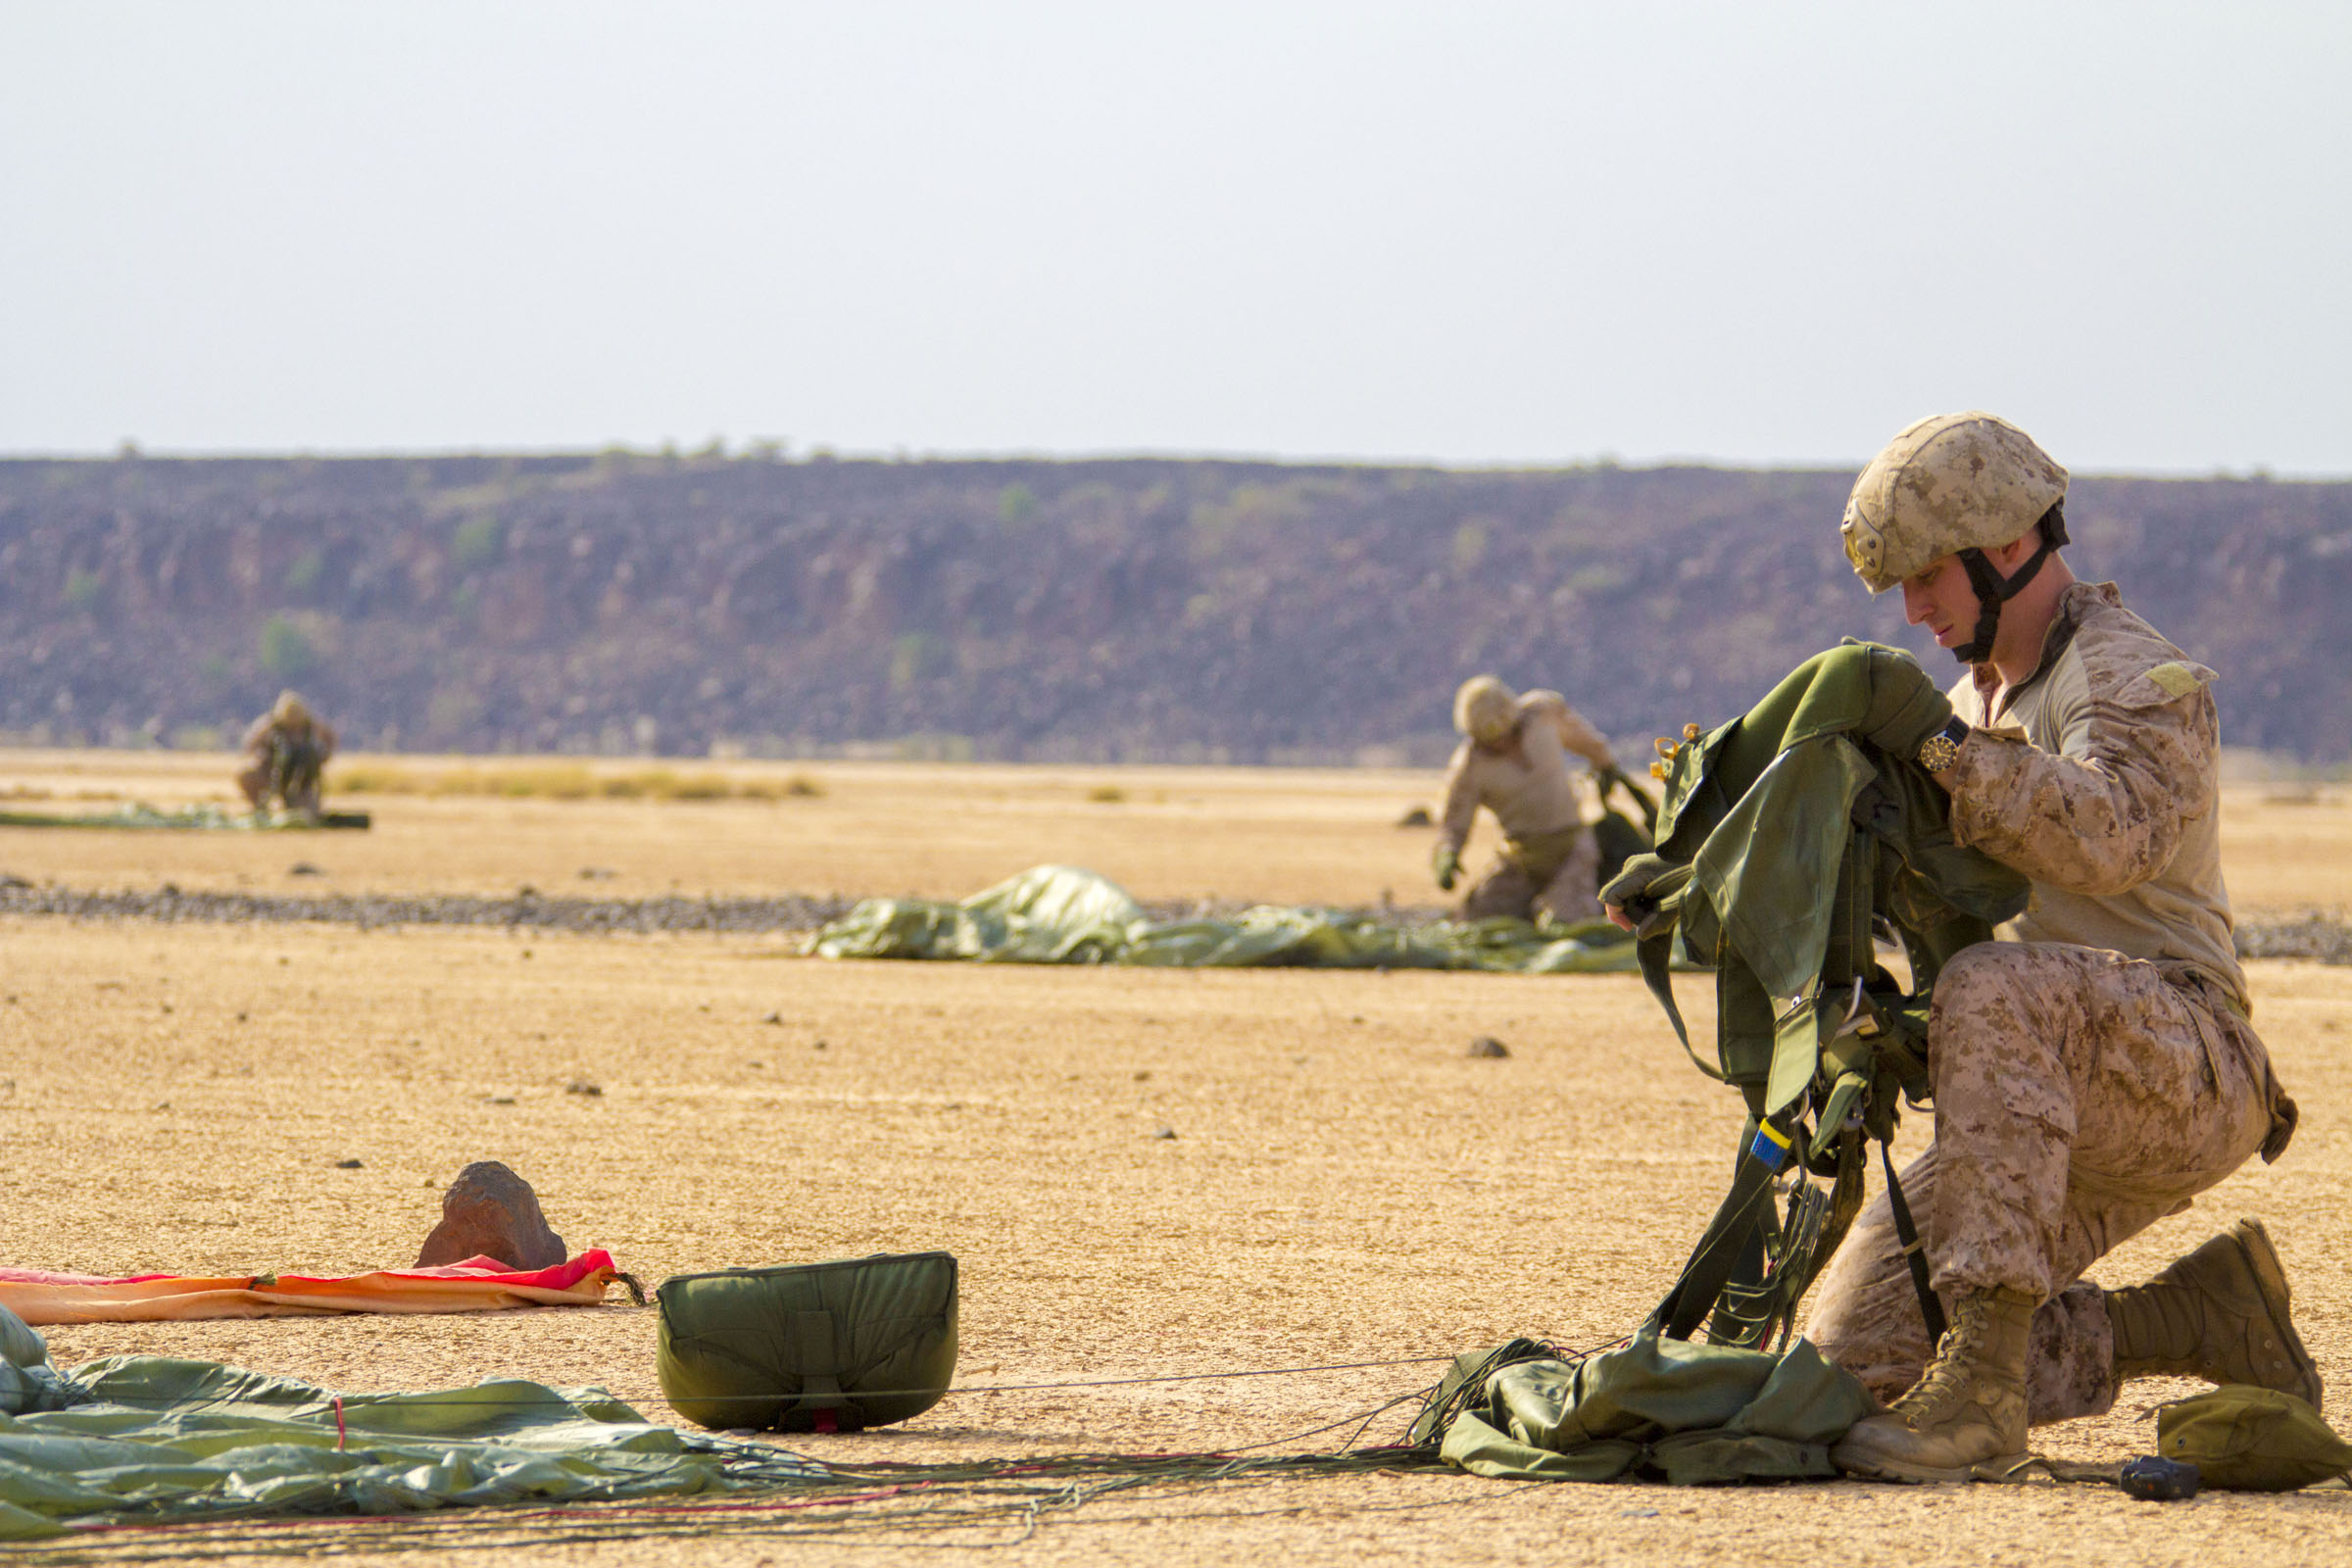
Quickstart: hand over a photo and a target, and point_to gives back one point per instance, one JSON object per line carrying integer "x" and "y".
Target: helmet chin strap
{"x": 1994, "y": 590}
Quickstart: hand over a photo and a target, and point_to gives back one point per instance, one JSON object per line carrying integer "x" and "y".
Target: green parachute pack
{"x": 833, "y": 1346}
{"x": 1787, "y": 843}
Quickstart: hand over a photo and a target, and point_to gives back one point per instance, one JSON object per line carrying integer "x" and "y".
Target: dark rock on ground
{"x": 489, "y": 1211}
{"x": 1489, "y": 1046}
{"x": 371, "y": 911}
{"x": 2321, "y": 936}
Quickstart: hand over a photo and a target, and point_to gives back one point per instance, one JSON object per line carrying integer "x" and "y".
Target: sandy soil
{"x": 1344, "y": 1184}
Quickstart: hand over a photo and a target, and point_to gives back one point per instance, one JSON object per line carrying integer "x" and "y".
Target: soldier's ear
{"x": 2013, "y": 554}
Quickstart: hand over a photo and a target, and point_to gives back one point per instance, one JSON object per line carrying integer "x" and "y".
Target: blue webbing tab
{"x": 1771, "y": 1146}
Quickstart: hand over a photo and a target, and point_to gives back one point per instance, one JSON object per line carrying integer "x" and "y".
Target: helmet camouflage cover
{"x": 1483, "y": 708}
{"x": 1948, "y": 483}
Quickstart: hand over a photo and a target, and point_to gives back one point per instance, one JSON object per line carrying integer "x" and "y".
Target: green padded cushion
{"x": 857, "y": 1343}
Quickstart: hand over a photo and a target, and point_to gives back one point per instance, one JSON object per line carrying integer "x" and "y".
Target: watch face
{"x": 1937, "y": 753}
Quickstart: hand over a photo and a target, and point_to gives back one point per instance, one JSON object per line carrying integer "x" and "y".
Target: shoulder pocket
{"x": 2164, "y": 683}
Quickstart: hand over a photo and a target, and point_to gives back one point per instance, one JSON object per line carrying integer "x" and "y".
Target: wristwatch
{"x": 1941, "y": 750}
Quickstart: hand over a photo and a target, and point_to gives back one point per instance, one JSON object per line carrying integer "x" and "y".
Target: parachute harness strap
{"x": 1915, "y": 1251}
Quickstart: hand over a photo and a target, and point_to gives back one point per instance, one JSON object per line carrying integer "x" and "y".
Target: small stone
{"x": 304, "y": 868}
{"x": 597, "y": 873}
{"x": 819, "y": 1046}
{"x": 489, "y": 1211}
{"x": 581, "y": 1086}
{"x": 758, "y": 1064}
{"x": 1165, "y": 1132}
{"x": 502, "y": 1099}
{"x": 775, "y": 1018}
{"x": 347, "y": 1164}
{"x": 1143, "y": 1076}
{"x": 1417, "y": 817}
{"x": 1489, "y": 1046}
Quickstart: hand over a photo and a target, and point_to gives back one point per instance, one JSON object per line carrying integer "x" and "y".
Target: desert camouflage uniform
{"x": 259, "y": 780}
{"x": 2096, "y": 1069}
{"x": 1549, "y": 862}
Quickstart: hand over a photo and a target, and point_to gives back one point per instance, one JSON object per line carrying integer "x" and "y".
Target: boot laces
{"x": 1950, "y": 1377}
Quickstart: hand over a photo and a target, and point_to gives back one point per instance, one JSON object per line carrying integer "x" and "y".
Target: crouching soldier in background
{"x": 1513, "y": 761}
{"x": 286, "y": 751}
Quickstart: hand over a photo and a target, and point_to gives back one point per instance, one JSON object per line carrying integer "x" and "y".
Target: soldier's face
{"x": 1943, "y": 600}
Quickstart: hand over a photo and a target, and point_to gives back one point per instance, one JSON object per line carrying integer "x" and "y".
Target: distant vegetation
{"x": 668, "y": 605}
{"x": 565, "y": 782}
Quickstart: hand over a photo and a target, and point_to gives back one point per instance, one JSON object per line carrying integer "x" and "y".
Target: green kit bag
{"x": 2245, "y": 1439}
{"x": 811, "y": 1347}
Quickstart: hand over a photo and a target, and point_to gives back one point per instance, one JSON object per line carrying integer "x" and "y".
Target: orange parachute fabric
{"x": 478, "y": 1285}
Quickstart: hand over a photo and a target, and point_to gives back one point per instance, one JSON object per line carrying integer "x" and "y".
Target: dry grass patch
{"x": 563, "y": 781}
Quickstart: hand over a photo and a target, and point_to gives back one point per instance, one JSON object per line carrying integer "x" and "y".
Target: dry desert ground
{"x": 1345, "y": 1183}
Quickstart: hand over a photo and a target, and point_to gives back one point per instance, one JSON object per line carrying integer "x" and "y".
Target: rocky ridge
{"x": 1135, "y": 610}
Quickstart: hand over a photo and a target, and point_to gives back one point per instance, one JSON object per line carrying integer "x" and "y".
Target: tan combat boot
{"x": 1967, "y": 1409}
{"x": 2220, "y": 1314}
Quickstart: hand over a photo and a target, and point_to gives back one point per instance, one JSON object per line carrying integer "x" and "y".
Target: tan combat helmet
{"x": 290, "y": 711}
{"x": 1485, "y": 710}
{"x": 1955, "y": 484}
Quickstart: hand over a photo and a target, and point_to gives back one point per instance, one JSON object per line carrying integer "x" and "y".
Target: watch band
{"x": 1941, "y": 750}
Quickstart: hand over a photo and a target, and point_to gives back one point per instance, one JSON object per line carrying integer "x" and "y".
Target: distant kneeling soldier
{"x": 1513, "y": 761}
{"x": 286, "y": 751}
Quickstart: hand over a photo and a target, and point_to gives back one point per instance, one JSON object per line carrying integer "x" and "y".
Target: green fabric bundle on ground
{"x": 2244, "y": 1439}
{"x": 846, "y": 1345}
{"x": 1691, "y": 1414}
{"x": 150, "y": 1438}
{"x": 1061, "y": 914}
{"x": 207, "y": 818}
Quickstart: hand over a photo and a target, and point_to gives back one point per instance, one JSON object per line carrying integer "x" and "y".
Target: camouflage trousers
{"x": 2079, "y": 1097}
{"x": 1567, "y": 890}
{"x": 260, "y": 782}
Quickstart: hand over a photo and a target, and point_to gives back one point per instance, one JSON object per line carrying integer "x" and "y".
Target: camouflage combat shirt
{"x": 1527, "y": 784}
{"x": 2099, "y": 776}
